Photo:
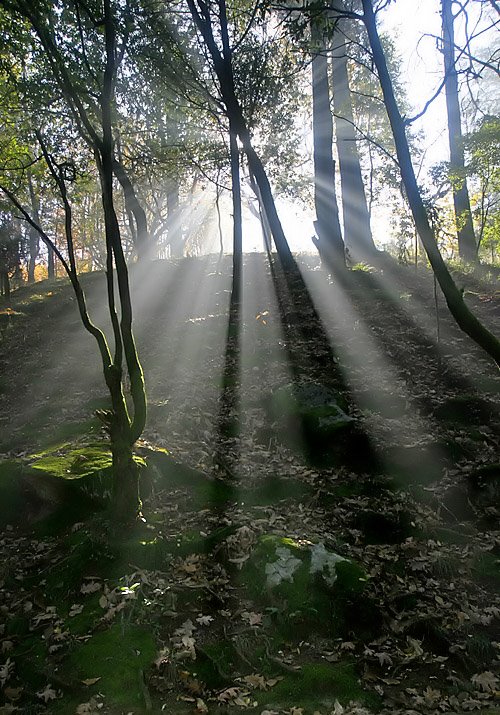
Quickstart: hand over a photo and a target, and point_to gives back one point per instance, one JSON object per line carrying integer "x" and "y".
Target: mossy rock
{"x": 304, "y": 584}
{"x": 312, "y": 417}
{"x": 319, "y": 408}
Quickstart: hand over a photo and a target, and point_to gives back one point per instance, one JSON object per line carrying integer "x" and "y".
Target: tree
{"x": 57, "y": 29}
{"x": 357, "y": 231}
{"x": 223, "y": 68}
{"x": 327, "y": 224}
{"x": 9, "y": 255}
{"x": 483, "y": 168}
{"x": 466, "y": 320}
{"x": 463, "y": 216}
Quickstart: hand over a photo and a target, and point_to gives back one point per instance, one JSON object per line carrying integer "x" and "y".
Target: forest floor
{"x": 291, "y": 562}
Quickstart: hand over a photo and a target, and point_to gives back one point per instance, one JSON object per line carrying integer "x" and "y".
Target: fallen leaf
{"x": 486, "y": 681}
{"x": 253, "y": 619}
{"x": 204, "y": 620}
{"x": 48, "y": 693}
{"x": 91, "y": 587}
{"x": 91, "y": 681}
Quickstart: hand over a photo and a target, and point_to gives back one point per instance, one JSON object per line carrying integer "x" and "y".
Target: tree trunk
{"x": 224, "y": 71}
{"x": 327, "y": 224}
{"x": 133, "y": 207}
{"x": 237, "y": 219}
{"x": 461, "y": 203}
{"x": 174, "y": 235}
{"x": 51, "y": 264}
{"x": 34, "y": 238}
{"x": 466, "y": 320}
{"x": 357, "y": 231}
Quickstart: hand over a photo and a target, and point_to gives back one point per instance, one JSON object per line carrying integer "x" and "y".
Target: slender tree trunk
{"x": 327, "y": 224}
{"x": 125, "y": 431}
{"x": 237, "y": 219}
{"x": 34, "y": 238}
{"x": 357, "y": 231}
{"x": 141, "y": 235}
{"x": 461, "y": 203}
{"x": 175, "y": 238}
{"x": 224, "y": 71}
{"x": 466, "y": 320}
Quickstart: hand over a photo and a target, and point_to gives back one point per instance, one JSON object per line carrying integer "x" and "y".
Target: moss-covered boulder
{"x": 306, "y": 584}
{"x": 312, "y": 417}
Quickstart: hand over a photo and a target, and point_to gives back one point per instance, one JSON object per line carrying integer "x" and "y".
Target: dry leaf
{"x": 91, "y": 587}
{"x": 48, "y": 693}
{"x": 201, "y": 706}
{"x": 486, "y": 681}
{"x": 253, "y": 619}
{"x": 91, "y": 681}
{"x": 204, "y": 620}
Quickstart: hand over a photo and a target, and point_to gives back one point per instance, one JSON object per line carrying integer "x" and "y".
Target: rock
{"x": 309, "y": 586}
{"x": 312, "y": 417}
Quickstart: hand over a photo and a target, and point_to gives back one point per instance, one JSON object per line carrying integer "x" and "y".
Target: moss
{"x": 308, "y": 601}
{"x": 316, "y": 684}
{"x": 118, "y": 656}
{"x": 75, "y": 463}
{"x": 83, "y": 553}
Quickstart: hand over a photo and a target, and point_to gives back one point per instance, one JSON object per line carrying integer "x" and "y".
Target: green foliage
{"x": 483, "y": 168}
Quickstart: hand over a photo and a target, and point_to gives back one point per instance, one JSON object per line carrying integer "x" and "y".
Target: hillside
{"x": 321, "y": 499}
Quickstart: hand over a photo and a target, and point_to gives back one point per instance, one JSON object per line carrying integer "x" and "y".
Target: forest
{"x": 249, "y": 357}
